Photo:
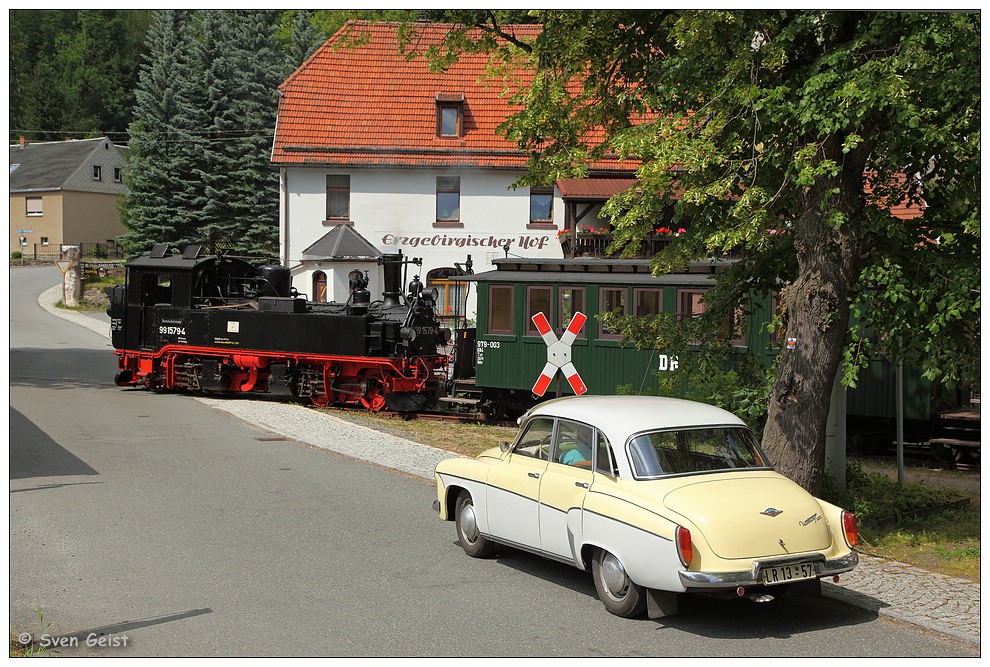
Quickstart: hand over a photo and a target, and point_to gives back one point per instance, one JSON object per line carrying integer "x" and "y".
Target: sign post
{"x": 559, "y": 354}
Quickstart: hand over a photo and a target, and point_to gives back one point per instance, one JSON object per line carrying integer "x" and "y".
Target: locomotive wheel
{"x": 320, "y": 400}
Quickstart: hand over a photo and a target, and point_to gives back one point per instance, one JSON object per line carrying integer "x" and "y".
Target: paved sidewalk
{"x": 940, "y": 604}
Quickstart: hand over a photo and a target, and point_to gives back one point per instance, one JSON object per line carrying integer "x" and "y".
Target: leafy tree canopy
{"x": 788, "y": 137}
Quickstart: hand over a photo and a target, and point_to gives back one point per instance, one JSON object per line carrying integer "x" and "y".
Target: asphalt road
{"x": 156, "y": 525}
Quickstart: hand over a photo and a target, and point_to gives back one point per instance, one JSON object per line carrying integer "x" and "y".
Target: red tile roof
{"x": 592, "y": 189}
{"x": 358, "y": 101}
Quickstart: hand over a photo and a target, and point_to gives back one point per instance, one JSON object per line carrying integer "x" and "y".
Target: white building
{"x": 411, "y": 161}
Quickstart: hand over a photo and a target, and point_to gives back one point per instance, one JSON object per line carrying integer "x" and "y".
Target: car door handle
{"x": 583, "y": 485}
{"x": 534, "y": 475}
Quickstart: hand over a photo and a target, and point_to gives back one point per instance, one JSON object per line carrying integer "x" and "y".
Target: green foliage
{"x": 788, "y": 137}
{"x": 707, "y": 368}
{"x": 876, "y": 498}
{"x": 73, "y": 72}
{"x": 200, "y": 142}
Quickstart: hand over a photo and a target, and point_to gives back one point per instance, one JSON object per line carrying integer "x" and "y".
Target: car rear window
{"x": 694, "y": 450}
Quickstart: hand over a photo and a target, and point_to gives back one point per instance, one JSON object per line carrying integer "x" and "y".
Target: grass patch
{"x": 933, "y": 527}
{"x": 466, "y": 439}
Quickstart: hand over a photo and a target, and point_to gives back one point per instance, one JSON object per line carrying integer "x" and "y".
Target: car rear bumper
{"x": 715, "y": 580}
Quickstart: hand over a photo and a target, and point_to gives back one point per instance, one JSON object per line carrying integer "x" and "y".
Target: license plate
{"x": 783, "y": 574}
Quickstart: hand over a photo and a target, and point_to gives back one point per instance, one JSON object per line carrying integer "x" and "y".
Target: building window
{"x": 572, "y": 301}
{"x": 539, "y": 299}
{"x": 97, "y": 172}
{"x": 450, "y": 116}
{"x": 118, "y": 175}
{"x": 611, "y": 299}
{"x": 448, "y": 199}
{"x": 541, "y": 205}
{"x": 647, "y": 302}
{"x": 34, "y": 206}
{"x": 501, "y": 309}
{"x": 44, "y": 240}
{"x": 338, "y": 197}
{"x": 320, "y": 287}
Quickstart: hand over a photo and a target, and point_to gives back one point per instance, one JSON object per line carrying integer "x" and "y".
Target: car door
{"x": 563, "y": 487}
{"x": 514, "y": 486}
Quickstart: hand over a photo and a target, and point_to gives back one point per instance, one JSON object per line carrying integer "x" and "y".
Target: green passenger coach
{"x": 510, "y": 353}
{"x": 506, "y": 353}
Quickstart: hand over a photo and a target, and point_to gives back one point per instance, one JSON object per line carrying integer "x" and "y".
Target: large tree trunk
{"x": 816, "y": 314}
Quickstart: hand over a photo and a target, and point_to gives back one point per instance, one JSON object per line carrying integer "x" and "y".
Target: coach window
{"x": 777, "y": 312}
{"x": 647, "y": 302}
{"x": 572, "y": 300}
{"x": 501, "y": 307}
{"x": 320, "y": 287}
{"x": 539, "y": 299}
{"x": 611, "y": 300}
{"x": 690, "y": 303}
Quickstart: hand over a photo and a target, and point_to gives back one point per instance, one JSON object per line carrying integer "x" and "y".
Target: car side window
{"x": 535, "y": 441}
{"x": 604, "y": 463}
{"x": 573, "y": 444}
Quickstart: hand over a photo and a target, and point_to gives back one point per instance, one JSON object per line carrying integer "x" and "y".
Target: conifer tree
{"x": 202, "y": 134}
{"x": 154, "y": 212}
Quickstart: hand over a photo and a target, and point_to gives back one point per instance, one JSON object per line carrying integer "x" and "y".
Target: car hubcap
{"x": 614, "y": 577}
{"x": 469, "y": 523}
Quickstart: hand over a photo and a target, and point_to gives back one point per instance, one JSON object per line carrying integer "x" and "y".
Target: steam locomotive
{"x": 205, "y": 323}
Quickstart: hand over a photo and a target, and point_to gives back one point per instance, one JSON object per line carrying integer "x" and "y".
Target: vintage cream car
{"x": 655, "y": 496}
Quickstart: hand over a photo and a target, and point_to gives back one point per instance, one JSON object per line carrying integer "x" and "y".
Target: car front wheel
{"x": 616, "y": 590}
{"x": 473, "y": 543}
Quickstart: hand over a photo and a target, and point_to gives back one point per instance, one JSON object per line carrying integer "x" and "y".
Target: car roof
{"x": 621, "y": 416}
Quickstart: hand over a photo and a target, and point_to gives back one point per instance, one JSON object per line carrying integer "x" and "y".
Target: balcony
{"x": 590, "y": 244}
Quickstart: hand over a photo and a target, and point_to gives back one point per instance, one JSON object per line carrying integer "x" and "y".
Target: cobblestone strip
{"x": 933, "y": 601}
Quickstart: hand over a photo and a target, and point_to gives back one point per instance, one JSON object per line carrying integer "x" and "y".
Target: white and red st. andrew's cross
{"x": 559, "y": 354}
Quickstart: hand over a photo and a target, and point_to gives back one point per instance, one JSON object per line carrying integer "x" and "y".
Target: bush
{"x": 16, "y": 254}
{"x": 878, "y": 499}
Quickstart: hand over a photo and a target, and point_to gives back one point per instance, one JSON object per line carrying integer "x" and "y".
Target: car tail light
{"x": 849, "y": 528}
{"x": 684, "y": 549}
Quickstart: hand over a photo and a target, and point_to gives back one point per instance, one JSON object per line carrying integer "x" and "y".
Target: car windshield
{"x": 694, "y": 450}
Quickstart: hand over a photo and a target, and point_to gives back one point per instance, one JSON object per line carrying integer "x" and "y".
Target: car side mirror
{"x": 503, "y": 445}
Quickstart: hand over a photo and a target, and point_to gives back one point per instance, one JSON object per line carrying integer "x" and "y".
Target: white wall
{"x": 395, "y": 209}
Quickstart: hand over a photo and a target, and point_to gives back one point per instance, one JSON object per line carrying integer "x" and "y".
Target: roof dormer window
{"x": 450, "y": 115}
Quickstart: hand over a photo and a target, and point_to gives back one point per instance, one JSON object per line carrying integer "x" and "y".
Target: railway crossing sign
{"x": 559, "y": 354}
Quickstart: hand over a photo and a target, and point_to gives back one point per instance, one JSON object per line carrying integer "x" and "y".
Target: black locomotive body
{"x": 218, "y": 324}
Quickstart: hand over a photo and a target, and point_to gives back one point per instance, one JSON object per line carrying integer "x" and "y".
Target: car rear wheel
{"x": 473, "y": 543}
{"x": 615, "y": 589}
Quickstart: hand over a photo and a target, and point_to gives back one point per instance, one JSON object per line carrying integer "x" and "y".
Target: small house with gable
{"x": 65, "y": 193}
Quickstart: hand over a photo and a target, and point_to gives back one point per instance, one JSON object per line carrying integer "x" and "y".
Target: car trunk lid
{"x": 752, "y": 516}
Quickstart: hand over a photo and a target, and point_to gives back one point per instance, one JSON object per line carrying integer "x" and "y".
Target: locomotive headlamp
{"x": 407, "y": 334}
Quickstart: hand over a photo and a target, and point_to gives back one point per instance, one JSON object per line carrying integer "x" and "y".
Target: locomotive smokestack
{"x": 392, "y": 264}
